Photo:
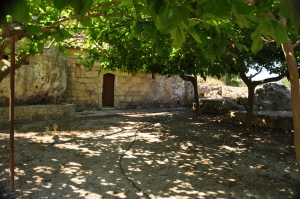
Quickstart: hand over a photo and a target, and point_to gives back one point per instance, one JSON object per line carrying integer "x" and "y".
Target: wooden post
{"x": 11, "y": 114}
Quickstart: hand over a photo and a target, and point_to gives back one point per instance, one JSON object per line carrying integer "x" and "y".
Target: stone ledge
{"x": 38, "y": 112}
{"x": 219, "y": 105}
{"x": 267, "y": 119}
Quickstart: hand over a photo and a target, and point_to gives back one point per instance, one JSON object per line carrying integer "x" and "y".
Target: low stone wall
{"x": 231, "y": 112}
{"x": 38, "y": 112}
{"x": 267, "y": 119}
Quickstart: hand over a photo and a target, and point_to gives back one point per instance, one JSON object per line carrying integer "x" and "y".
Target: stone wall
{"x": 38, "y": 112}
{"x": 85, "y": 88}
{"x": 42, "y": 81}
{"x": 50, "y": 77}
{"x": 266, "y": 119}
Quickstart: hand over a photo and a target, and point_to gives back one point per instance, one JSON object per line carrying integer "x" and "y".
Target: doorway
{"x": 108, "y": 93}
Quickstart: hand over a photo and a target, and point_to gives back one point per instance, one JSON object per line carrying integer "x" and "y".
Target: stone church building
{"x": 52, "y": 78}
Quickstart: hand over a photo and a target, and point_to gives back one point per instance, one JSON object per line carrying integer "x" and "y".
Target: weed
{"x": 47, "y": 130}
{"x": 55, "y": 126}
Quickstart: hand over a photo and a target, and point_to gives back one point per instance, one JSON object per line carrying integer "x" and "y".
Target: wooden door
{"x": 108, "y": 90}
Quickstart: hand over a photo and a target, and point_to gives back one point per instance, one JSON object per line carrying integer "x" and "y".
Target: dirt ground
{"x": 171, "y": 155}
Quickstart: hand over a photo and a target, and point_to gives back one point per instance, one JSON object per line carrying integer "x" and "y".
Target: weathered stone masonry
{"x": 85, "y": 88}
{"x": 50, "y": 78}
{"x": 38, "y": 112}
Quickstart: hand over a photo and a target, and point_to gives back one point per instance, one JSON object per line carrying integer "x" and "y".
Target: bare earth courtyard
{"x": 171, "y": 155}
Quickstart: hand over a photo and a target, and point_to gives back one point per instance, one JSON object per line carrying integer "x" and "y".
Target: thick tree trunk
{"x": 291, "y": 62}
{"x": 251, "y": 85}
{"x": 193, "y": 80}
{"x": 249, "y": 109}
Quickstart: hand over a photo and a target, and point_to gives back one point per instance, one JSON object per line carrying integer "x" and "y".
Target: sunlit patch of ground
{"x": 173, "y": 155}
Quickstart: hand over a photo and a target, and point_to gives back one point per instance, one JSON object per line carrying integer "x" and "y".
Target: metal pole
{"x": 11, "y": 114}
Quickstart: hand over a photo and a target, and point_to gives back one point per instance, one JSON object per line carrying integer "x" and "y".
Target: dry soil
{"x": 171, "y": 155}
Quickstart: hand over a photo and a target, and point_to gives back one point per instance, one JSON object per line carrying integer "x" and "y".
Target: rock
{"x": 210, "y": 91}
{"x": 42, "y": 81}
{"x": 272, "y": 97}
{"x": 219, "y": 106}
{"x": 157, "y": 125}
{"x": 234, "y": 92}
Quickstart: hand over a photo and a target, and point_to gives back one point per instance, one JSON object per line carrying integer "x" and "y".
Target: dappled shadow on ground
{"x": 173, "y": 156}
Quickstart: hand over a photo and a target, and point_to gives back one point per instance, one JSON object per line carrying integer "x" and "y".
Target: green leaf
{"x": 86, "y": 6}
{"x": 76, "y": 4}
{"x": 66, "y": 34}
{"x": 87, "y": 22}
{"x": 32, "y": 30}
{"x": 240, "y": 7}
{"x": 257, "y": 44}
{"x": 40, "y": 47}
{"x": 126, "y": 2}
{"x": 158, "y": 50}
{"x": 59, "y": 36}
{"x": 285, "y": 9}
{"x": 219, "y": 8}
{"x": 60, "y": 4}
{"x": 240, "y": 46}
{"x": 183, "y": 14}
{"x": 20, "y": 12}
{"x": 32, "y": 51}
{"x": 152, "y": 31}
{"x": 194, "y": 34}
{"x": 274, "y": 29}
{"x": 241, "y": 19}
{"x": 193, "y": 22}
{"x": 178, "y": 37}
{"x": 239, "y": 10}
{"x": 263, "y": 5}
{"x": 36, "y": 2}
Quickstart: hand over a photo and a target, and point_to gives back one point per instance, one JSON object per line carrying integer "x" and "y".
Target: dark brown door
{"x": 108, "y": 90}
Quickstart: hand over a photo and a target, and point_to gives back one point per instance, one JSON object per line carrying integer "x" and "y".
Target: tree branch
{"x": 296, "y": 44}
{"x": 271, "y": 79}
{"x": 48, "y": 47}
{"x": 5, "y": 30}
{"x": 47, "y": 29}
{"x": 251, "y": 76}
{"x": 102, "y": 5}
{"x": 5, "y": 44}
{"x": 187, "y": 78}
{"x": 244, "y": 77}
{"x": 6, "y": 69}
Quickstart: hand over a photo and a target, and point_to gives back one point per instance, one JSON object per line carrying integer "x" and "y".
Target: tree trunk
{"x": 291, "y": 62}
{"x": 251, "y": 85}
{"x": 249, "y": 109}
{"x": 193, "y": 80}
{"x": 196, "y": 94}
